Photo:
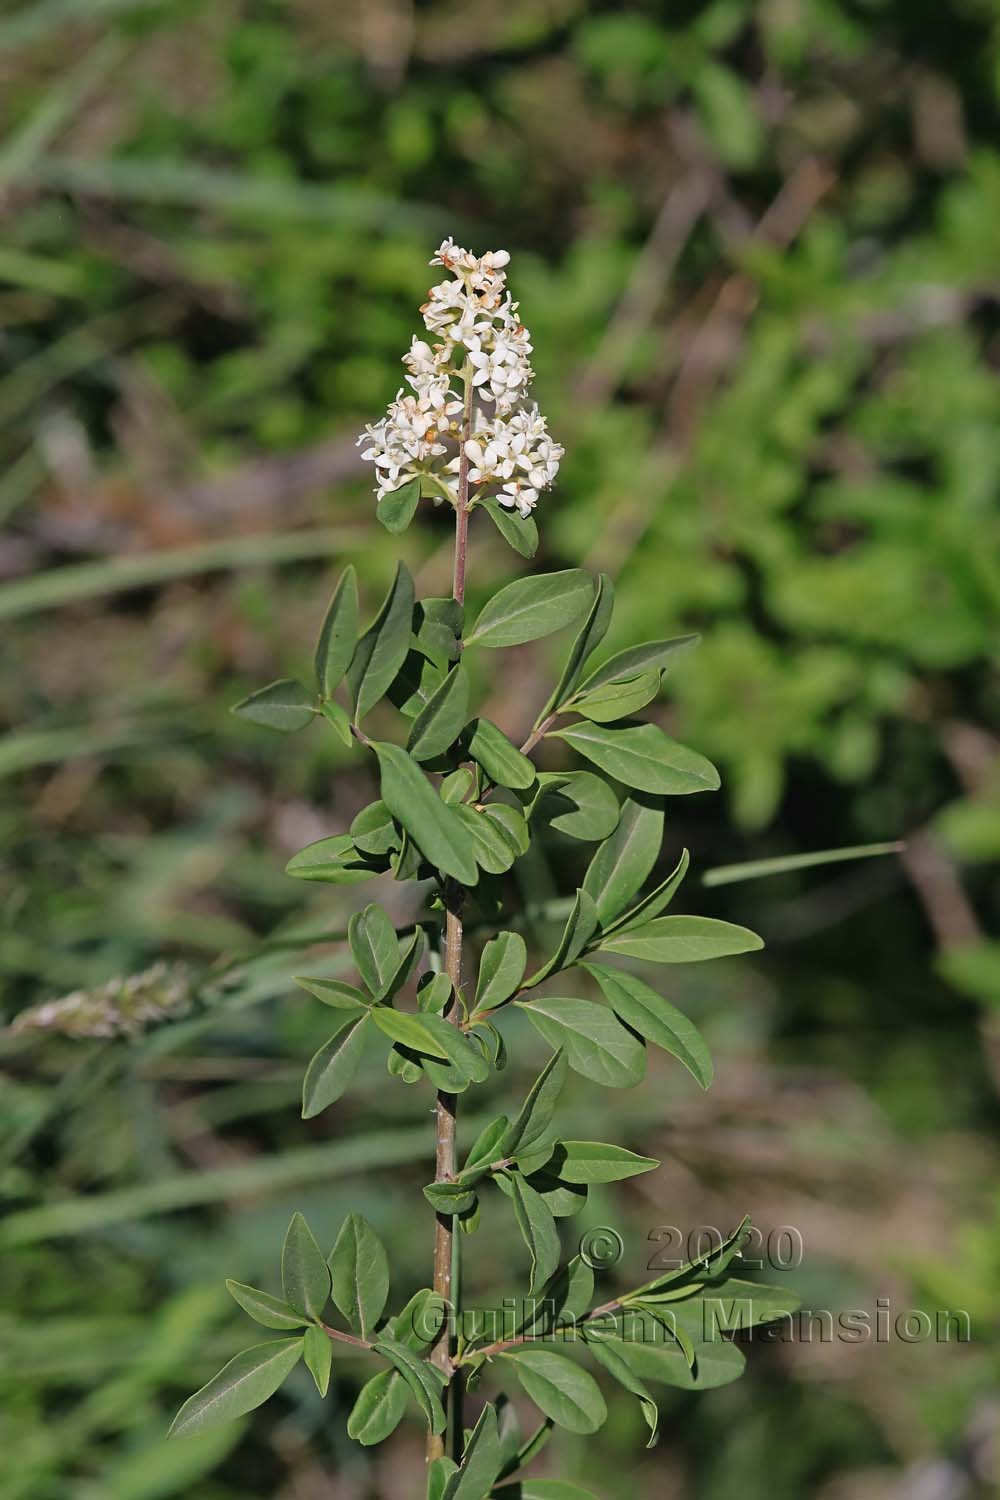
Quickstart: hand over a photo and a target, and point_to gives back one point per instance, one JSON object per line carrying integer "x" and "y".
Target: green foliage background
{"x": 757, "y": 246}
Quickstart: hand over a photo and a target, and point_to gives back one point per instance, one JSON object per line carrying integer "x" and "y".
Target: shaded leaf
{"x": 495, "y": 850}
{"x": 333, "y": 861}
{"x": 481, "y": 1461}
{"x": 606, "y": 1352}
{"x": 439, "y": 723}
{"x": 425, "y": 1381}
{"x": 618, "y": 700}
{"x": 374, "y": 948}
{"x": 581, "y": 924}
{"x": 656, "y": 901}
{"x": 538, "y": 1109}
{"x": 334, "y": 993}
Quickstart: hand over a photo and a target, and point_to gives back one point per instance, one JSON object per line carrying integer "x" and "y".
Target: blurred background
{"x": 757, "y": 245}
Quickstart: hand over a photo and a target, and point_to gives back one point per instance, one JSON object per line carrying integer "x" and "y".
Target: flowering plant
{"x": 459, "y": 806}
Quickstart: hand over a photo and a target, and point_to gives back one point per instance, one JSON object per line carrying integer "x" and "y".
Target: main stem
{"x": 446, "y": 1242}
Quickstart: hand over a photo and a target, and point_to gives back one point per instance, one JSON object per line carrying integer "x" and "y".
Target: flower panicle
{"x": 477, "y": 340}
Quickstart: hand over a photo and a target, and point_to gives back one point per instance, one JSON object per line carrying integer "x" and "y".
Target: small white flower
{"x": 480, "y": 339}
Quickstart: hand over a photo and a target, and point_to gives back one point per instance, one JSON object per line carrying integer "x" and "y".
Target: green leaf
{"x": 597, "y": 1044}
{"x": 495, "y": 849}
{"x": 305, "y": 1276}
{"x": 607, "y": 1353}
{"x": 559, "y": 1388}
{"x": 486, "y": 1148}
{"x": 502, "y": 762}
{"x": 501, "y": 969}
{"x": 642, "y": 756}
{"x": 284, "y": 705}
{"x": 435, "y": 828}
{"x": 382, "y": 649}
{"x": 270, "y": 1311}
{"x": 655, "y": 1019}
{"x": 683, "y": 940}
{"x": 707, "y": 1316}
{"x": 379, "y": 1408}
{"x": 656, "y": 901}
{"x": 715, "y": 1364}
{"x": 374, "y": 831}
{"x": 565, "y": 1297}
{"x": 397, "y": 509}
{"x": 620, "y": 866}
{"x": 435, "y": 1037}
{"x": 564, "y": 1198}
{"x": 438, "y": 629}
{"x": 538, "y": 1230}
{"x": 512, "y": 825}
{"x": 456, "y": 786}
{"x": 757, "y": 869}
{"x": 577, "y": 803}
{"x": 318, "y": 1352}
{"x": 416, "y": 682}
{"x": 360, "y": 1274}
{"x": 520, "y": 532}
{"x": 481, "y": 1461}
{"x": 438, "y": 1474}
{"x": 420, "y": 1321}
{"x": 340, "y": 719}
{"x": 581, "y": 924}
{"x": 425, "y": 1381}
{"x": 333, "y": 861}
{"x": 338, "y": 635}
{"x": 592, "y": 633}
{"x": 433, "y": 993}
{"x": 634, "y": 660}
{"x": 374, "y": 948}
{"x": 593, "y": 1161}
{"x": 411, "y": 955}
{"x": 244, "y": 1384}
{"x": 532, "y": 607}
{"x": 539, "y": 1107}
{"x": 543, "y": 1489}
{"x": 332, "y": 1069}
{"x": 618, "y": 700}
{"x": 449, "y": 1197}
{"x": 440, "y": 722}
{"x": 710, "y": 1265}
{"x": 334, "y": 993}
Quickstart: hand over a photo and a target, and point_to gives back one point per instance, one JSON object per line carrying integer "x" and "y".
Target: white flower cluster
{"x": 481, "y": 357}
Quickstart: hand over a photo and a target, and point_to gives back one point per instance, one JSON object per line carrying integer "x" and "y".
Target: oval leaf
{"x": 284, "y": 705}
{"x": 641, "y": 755}
{"x": 382, "y": 649}
{"x": 501, "y": 969}
{"x": 597, "y": 1044}
{"x": 338, "y": 635}
{"x": 593, "y": 1161}
{"x": 379, "y": 1408}
{"x": 270, "y": 1312}
{"x": 332, "y": 1069}
{"x": 655, "y": 1018}
{"x": 397, "y": 509}
{"x": 683, "y": 940}
{"x": 439, "y": 723}
{"x": 305, "y": 1276}
{"x": 435, "y": 828}
{"x": 530, "y": 608}
{"x": 636, "y": 659}
{"x": 359, "y": 1270}
{"x": 623, "y": 862}
{"x": 502, "y": 762}
{"x": 559, "y": 1388}
{"x": 244, "y": 1384}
